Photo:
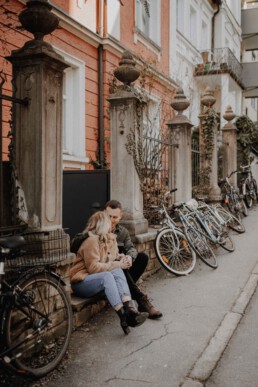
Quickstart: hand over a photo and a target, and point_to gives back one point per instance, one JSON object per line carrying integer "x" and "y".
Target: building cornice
{"x": 109, "y": 43}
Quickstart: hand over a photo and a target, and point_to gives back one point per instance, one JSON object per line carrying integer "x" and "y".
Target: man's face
{"x": 115, "y": 216}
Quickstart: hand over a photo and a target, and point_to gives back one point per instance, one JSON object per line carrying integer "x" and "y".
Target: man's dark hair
{"x": 114, "y": 204}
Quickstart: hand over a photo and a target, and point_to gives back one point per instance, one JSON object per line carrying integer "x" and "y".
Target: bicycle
{"x": 248, "y": 185}
{"x": 196, "y": 237}
{"x": 232, "y": 199}
{"x": 172, "y": 248}
{"x": 208, "y": 223}
{"x": 36, "y": 314}
{"x": 226, "y": 218}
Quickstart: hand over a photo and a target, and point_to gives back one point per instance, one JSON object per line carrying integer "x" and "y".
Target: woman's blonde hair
{"x": 99, "y": 223}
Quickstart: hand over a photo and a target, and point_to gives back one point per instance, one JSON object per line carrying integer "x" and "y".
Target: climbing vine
{"x": 208, "y": 128}
{"x": 247, "y": 134}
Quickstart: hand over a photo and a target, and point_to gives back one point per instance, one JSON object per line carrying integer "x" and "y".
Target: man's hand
{"x": 130, "y": 260}
{"x": 126, "y": 262}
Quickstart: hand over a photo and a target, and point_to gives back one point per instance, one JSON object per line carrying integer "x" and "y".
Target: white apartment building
{"x": 205, "y": 50}
{"x": 249, "y": 25}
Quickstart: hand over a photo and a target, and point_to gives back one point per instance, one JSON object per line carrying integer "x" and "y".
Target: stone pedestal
{"x": 181, "y": 162}
{"x": 125, "y": 185}
{"x": 38, "y": 74}
{"x": 229, "y": 144}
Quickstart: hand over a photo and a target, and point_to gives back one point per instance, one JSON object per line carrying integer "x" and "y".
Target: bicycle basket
{"x": 42, "y": 248}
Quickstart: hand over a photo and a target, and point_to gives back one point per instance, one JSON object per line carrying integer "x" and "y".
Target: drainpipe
{"x": 101, "y": 107}
{"x": 101, "y": 149}
{"x": 218, "y": 3}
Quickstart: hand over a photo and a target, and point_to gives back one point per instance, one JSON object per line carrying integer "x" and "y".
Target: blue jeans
{"x": 112, "y": 282}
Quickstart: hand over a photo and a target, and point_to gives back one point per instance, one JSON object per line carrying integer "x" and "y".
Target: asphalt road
{"x": 238, "y": 366}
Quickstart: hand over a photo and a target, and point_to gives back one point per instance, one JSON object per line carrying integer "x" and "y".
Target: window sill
{"x": 74, "y": 161}
{"x": 144, "y": 39}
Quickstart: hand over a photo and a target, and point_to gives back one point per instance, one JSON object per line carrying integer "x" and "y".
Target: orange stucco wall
{"x": 81, "y": 49}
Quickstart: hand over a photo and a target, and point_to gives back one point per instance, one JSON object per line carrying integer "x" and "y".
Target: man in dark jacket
{"x": 139, "y": 261}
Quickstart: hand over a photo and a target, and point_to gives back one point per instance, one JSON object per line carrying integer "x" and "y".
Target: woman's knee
{"x": 108, "y": 277}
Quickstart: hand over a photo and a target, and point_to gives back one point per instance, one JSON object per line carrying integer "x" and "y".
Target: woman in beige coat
{"x": 98, "y": 267}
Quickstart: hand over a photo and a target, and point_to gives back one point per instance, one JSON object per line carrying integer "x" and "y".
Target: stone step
{"x": 79, "y": 303}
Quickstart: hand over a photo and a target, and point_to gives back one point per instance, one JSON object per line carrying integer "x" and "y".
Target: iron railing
{"x": 195, "y": 163}
{"x": 8, "y": 208}
{"x": 220, "y": 60}
{"x": 157, "y": 149}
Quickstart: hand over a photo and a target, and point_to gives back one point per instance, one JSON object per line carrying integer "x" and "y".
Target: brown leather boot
{"x": 133, "y": 317}
{"x": 144, "y": 305}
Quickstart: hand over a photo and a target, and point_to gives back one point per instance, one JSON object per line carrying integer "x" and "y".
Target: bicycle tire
{"x": 226, "y": 242}
{"x": 248, "y": 197}
{"x": 201, "y": 247}
{"x": 174, "y": 252}
{"x": 44, "y": 350}
{"x": 232, "y": 222}
{"x": 243, "y": 207}
{"x": 232, "y": 207}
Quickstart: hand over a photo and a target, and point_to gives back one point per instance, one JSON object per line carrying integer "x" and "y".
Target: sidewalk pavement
{"x": 200, "y": 313}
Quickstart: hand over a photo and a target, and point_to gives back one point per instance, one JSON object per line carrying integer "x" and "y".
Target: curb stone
{"x": 209, "y": 358}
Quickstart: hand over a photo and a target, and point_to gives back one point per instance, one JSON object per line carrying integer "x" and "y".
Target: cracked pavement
{"x": 163, "y": 352}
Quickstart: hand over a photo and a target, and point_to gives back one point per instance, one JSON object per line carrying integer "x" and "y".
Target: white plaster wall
{"x": 185, "y": 54}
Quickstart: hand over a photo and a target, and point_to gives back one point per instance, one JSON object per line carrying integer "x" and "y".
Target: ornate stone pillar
{"x": 181, "y": 160}
{"x": 229, "y": 146}
{"x": 213, "y": 189}
{"x": 38, "y": 74}
{"x": 125, "y": 116}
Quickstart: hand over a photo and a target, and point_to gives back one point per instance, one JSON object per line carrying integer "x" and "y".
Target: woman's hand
{"x": 126, "y": 263}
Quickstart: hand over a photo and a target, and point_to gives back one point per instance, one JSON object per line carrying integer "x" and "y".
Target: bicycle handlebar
{"x": 169, "y": 192}
{"x": 248, "y": 166}
{"x": 232, "y": 173}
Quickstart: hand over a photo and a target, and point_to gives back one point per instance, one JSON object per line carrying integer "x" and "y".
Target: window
{"x": 254, "y": 103}
{"x": 113, "y": 18}
{"x": 193, "y": 26}
{"x": 148, "y": 18}
{"x": 204, "y": 37}
{"x": 180, "y": 15}
{"x": 74, "y": 113}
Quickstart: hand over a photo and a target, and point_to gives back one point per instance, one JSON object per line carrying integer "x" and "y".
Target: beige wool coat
{"x": 95, "y": 256}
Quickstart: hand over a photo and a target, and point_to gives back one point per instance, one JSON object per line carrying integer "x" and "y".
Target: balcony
{"x": 220, "y": 61}
{"x": 250, "y": 28}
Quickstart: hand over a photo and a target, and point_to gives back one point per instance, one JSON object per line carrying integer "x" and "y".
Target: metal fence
{"x": 195, "y": 163}
{"x": 157, "y": 150}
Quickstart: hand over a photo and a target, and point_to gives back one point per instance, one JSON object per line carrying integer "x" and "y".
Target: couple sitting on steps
{"x": 100, "y": 266}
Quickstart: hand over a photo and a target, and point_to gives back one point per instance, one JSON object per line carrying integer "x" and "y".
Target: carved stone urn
{"x": 38, "y": 19}
{"x": 126, "y": 71}
{"x": 180, "y": 102}
{"x": 208, "y": 98}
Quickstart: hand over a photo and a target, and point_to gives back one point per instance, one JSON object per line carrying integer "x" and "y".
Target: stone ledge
{"x": 146, "y": 237}
{"x": 79, "y": 303}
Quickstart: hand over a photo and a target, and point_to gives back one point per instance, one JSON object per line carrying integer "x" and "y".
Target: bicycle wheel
{"x": 248, "y": 197}
{"x": 226, "y": 242}
{"x": 231, "y": 221}
{"x": 243, "y": 207}
{"x": 201, "y": 247}
{"x": 43, "y": 315}
{"x": 174, "y": 252}
{"x": 232, "y": 207}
